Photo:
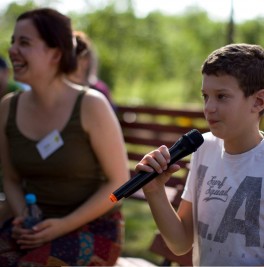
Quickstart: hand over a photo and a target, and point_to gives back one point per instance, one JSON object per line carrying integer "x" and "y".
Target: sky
{"x": 217, "y": 9}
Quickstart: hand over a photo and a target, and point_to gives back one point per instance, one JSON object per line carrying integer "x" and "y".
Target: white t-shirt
{"x": 227, "y": 193}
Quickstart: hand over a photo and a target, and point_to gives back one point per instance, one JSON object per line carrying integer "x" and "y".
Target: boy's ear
{"x": 259, "y": 101}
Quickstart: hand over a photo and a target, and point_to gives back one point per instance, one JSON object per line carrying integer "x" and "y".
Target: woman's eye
{"x": 23, "y": 43}
{"x": 204, "y": 96}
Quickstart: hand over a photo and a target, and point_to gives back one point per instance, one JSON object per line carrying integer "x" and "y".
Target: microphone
{"x": 187, "y": 144}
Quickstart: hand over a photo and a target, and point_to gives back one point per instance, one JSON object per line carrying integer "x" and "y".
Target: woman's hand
{"x": 157, "y": 160}
{"x": 18, "y": 231}
{"x": 41, "y": 233}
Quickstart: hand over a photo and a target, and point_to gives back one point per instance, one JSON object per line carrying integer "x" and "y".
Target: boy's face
{"x": 228, "y": 112}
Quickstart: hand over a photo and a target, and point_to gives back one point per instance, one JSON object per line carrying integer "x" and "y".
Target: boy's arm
{"x": 175, "y": 227}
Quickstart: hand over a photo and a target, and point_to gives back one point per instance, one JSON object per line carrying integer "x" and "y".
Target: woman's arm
{"x": 102, "y": 126}
{"x": 11, "y": 181}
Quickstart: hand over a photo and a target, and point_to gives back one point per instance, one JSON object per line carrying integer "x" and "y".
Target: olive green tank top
{"x": 65, "y": 179}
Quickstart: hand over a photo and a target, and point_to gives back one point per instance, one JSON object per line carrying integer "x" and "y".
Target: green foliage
{"x": 153, "y": 60}
{"x": 7, "y": 22}
{"x": 251, "y": 31}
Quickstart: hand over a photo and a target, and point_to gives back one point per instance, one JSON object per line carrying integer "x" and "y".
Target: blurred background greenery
{"x": 151, "y": 60}
{"x": 140, "y": 230}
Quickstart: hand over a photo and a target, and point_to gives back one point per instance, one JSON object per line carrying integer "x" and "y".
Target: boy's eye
{"x": 221, "y": 96}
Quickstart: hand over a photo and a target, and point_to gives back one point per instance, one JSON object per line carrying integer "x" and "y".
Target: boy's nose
{"x": 210, "y": 106}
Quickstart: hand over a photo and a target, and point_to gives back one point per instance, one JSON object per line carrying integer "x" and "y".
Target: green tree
{"x": 154, "y": 60}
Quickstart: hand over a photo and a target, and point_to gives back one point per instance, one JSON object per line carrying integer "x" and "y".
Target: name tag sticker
{"x": 49, "y": 144}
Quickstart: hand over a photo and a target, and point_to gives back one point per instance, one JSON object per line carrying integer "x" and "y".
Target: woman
{"x": 87, "y": 66}
{"x": 62, "y": 144}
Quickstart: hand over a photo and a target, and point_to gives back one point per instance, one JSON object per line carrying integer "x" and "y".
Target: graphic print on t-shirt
{"x": 246, "y": 198}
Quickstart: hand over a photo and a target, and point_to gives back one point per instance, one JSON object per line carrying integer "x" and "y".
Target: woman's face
{"x": 31, "y": 58}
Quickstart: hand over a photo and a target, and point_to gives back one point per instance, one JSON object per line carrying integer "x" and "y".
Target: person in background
{"x": 64, "y": 145}
{"x": 86, "y": 73}
{"x": 6, "y": 86}
{"x": 4, "y": 76}
{"x": 221, "y": 215}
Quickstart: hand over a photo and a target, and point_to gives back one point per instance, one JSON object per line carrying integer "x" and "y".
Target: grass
{"x": 139, "y": 230}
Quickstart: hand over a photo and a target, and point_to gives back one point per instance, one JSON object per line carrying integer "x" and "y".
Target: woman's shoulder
{"x": 8, "y": 96}
{"x": 6, "y": 99}
{"x": 5, "y": 106}
{"x": 93, "y": 93}
{"x": 94, "y": 99}
{"x": 95, "y": 105}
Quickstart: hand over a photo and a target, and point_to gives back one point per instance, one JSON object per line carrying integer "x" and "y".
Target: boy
{"x": 222, "y": 213}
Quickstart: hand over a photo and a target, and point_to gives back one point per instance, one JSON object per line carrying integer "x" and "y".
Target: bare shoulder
{"x": 94, "y": 94}
{"x": 96, "y": 111}
{"x": 5, "y": 100}
{"x": 93, "y": 100}
{"x": 7, "y": 97}
{"x": 4, "y": 107}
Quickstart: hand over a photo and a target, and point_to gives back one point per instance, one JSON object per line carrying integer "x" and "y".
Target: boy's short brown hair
{"x": 245, "y": 62}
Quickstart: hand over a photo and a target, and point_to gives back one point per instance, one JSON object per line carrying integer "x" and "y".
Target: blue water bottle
{"x": 33, "y": 214}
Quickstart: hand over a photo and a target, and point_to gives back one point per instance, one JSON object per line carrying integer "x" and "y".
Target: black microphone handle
{"x": 142, "y": 178}
{"x": 187, "y": 144}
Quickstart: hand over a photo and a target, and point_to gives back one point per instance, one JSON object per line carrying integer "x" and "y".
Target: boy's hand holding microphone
{"x": 157, "y": 161}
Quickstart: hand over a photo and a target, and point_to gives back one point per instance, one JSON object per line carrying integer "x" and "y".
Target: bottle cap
{"x": 31, "y": 198}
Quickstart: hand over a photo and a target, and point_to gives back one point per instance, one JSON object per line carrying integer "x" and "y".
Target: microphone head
{"x": 195, "y": 138}
{"x": 186, "y": 145}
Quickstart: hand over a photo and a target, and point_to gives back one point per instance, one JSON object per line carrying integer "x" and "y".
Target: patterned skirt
{"x": 96, "y": 244}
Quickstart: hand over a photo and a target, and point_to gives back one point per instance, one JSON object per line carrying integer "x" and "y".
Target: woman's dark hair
{"x": 56, "y": 31}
